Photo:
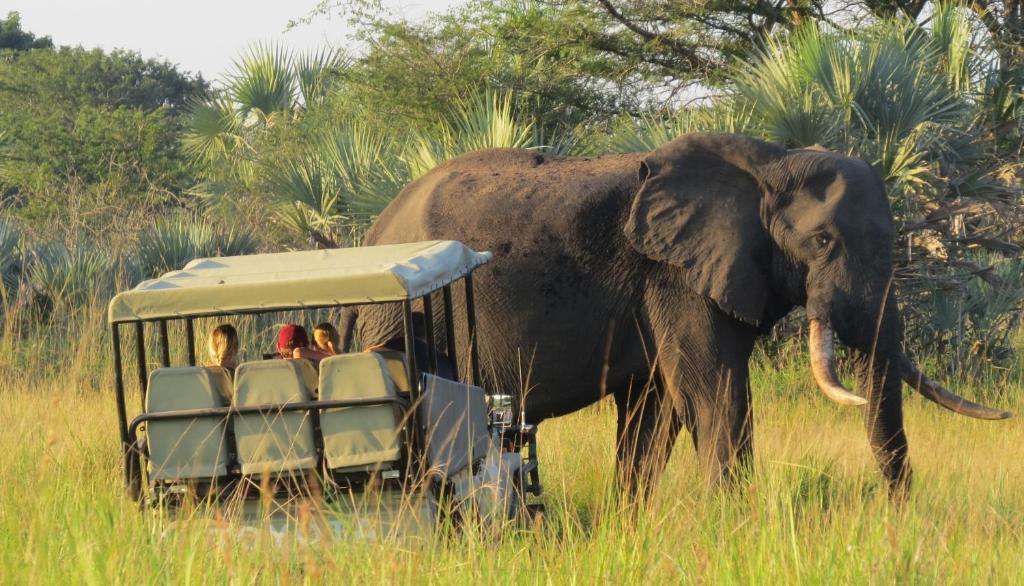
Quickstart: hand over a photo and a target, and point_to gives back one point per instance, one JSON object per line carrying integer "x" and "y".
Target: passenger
{"x": 419, "y": 328}
{"x": 293, "y": 342}
{"x": 325, "y": 339}
{"x": 223, "y": 347}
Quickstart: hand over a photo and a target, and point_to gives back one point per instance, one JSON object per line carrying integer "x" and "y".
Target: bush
{"x": 65, "y": 277}
{"x": 10, "y": 259}
{"x": 171, "y": 243}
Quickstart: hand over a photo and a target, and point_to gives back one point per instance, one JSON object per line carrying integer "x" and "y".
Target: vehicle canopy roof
{"x": 293, "y": 280}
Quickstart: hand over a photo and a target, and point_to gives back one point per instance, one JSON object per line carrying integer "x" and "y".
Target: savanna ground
{"x": 815, "y": 510}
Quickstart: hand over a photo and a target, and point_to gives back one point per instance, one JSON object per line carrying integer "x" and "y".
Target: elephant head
{"x": 759, "y": 229}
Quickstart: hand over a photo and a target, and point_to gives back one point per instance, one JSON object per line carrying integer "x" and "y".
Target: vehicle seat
{"x": 395, "y": 362}
{"x": 359, "y": 438}
{"x": 455, "y": 416}
{"x": 187, "y": 449}
{"x": 275, "y": 442}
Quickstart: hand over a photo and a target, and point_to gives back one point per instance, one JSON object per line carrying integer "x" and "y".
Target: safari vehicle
{"x": 366, "y": 422}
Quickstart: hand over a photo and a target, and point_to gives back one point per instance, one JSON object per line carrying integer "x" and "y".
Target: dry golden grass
{"x": 814, "y": 510}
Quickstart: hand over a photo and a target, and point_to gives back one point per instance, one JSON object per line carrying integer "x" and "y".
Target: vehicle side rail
{"x": 265, "y": 409}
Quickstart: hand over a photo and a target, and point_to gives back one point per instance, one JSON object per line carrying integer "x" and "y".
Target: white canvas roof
{"x": 296, "y": 279}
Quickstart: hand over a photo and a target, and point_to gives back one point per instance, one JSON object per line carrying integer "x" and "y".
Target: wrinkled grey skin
{"x": 649, "y": 276}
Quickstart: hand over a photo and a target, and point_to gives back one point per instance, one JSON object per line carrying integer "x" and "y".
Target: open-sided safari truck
{"x": 363, "y": 422}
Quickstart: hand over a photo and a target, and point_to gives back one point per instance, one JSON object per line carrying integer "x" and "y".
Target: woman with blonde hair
{"x": 223, "y": 348}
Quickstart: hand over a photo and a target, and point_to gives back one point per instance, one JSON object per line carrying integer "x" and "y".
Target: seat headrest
{"x": 274, "y": 381}
{"x": 395, "y": 362}
{"x": 187, "y": 387}
{"x": 362, "y": 375}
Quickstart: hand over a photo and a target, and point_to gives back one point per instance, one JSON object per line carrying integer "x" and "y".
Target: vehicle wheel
{"x": 133, "y": 474}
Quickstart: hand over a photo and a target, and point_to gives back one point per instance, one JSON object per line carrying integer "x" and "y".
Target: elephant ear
{"x": 698, "y": 208}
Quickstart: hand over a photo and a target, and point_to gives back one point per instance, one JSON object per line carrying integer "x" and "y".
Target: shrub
{"x": 10, "y": 259}
{"x": 171, "y": 243}
{"x": 64, "y": 277}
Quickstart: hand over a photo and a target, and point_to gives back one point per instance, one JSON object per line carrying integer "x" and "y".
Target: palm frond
{"x": 488, "y": 121}
{"x": 314, "y": 73}
{"x": 68, "y": 277}
{"x": 213, "y": 130}
{"x": 10, "y": 257}
{"x": 263, "y": 82}
{"x": 170, "y": 243}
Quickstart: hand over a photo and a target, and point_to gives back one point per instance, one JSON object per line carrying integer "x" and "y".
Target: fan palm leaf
{"x": 314, "y": 73}
{"x": 170, "y": 243}
{"x": 72, "y": 276}
{"x": 10, "y": 258}
{"x": 263, "y": 83}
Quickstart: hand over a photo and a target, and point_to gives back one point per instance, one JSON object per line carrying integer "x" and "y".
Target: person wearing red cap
{"x": 293, "y": 342}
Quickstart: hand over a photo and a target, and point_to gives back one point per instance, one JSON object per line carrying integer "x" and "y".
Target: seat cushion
{"x": 355, "y": 437}
{"x": 187, "y": 449}
{"x": 275, "y": 442}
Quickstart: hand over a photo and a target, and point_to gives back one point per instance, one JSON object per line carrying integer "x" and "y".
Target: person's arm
{"x": 310, "y": 354}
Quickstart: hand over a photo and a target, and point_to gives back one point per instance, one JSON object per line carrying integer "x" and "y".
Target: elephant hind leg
{"x": 646, "y": 432}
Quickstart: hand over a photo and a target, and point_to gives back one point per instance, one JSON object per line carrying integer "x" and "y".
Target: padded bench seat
{"x": 278, "y": 442}
{"x": 187, "y": 449}
{"x": 364, "y": 437}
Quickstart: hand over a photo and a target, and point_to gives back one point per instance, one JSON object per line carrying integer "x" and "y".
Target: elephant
{"x": 649, "y": 277}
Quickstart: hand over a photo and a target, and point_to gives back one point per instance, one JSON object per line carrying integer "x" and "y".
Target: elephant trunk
{"x": 823, "y": 365}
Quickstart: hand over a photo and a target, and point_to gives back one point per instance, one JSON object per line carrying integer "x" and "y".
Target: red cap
{"x": 290, "y": 337}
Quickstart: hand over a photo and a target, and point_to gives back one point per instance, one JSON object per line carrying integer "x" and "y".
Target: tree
{"x": 12, "y": 37}
{"x": 85, "y": 117}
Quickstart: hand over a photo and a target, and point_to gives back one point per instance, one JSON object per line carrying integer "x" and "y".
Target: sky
{"x": 198, "y": 35}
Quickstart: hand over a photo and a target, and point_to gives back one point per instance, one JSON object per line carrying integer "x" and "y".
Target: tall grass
{"x": 814, "y": 510}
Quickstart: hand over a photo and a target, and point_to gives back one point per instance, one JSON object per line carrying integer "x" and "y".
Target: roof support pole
{"x": 474, "y": 357}
{"x": 449, "y": 327}
{"x": 165, "y": 347}
{"x": 122, "y": 415}
{"x": 140, "y": 360}
{"x": 190, "y": 336}
{"x": 412, "y": 372}
{"x": 410, "y": 352}
{"x": 428, "y": 323}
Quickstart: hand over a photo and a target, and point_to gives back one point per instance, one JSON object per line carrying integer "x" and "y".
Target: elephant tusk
{"x": 823, "y": 366}
{"x": 933, "y": 391}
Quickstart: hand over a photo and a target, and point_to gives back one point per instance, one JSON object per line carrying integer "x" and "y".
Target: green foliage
{"x": 414, "y": 73}
{"x": 88, "y": 116}
{"x": 14, "y": 38}
{"x": 171, "y": 243}
{"x": 68, "y": 277}
{"x": 259, "y": 104}
{"x": 263, "y": 83}
{"x": 651, "y": 130}
{"x": 10, "y": 259}
{"x": 974, "y": 322}
{"x": 483, "y": 122}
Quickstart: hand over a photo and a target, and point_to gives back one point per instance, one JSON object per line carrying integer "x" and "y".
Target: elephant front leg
{"x": 646, "y": 432}
{"x": 712, "y": 391}
{"x": 723, "y": 427}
